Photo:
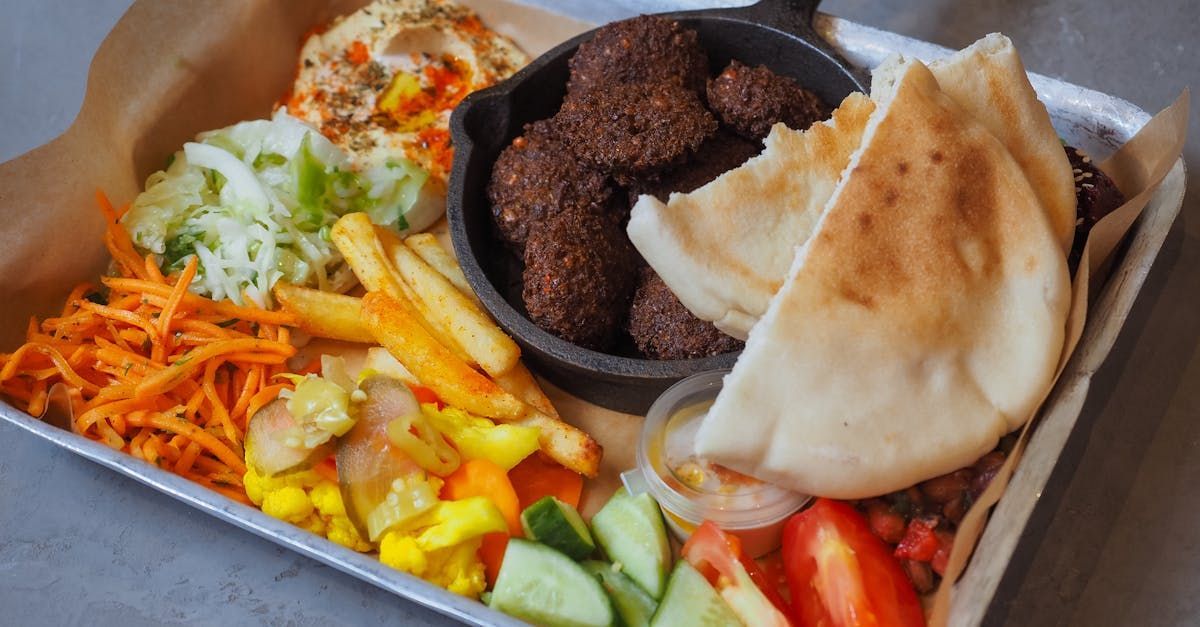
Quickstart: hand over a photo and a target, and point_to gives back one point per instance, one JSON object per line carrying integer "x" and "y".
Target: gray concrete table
{"x": 81, "y": 545}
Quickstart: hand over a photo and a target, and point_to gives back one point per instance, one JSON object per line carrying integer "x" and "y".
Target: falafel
{"x": 662, "y": 328}
{"x": 634, "y": 130}
{"x": 752, "y": 100}
{"x": 579, "y": 277}
{"x": 1096, "y": 195}
{"x": 716, "y": 156}
{"x": 646, "y": 48}
{"x": 536, "y": 177}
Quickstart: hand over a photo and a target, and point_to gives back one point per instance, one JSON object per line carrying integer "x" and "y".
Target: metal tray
{"x": 1088, "y": 119}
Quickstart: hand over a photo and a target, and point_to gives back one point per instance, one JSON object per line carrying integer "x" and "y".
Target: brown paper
{"x": 173, "y": 68}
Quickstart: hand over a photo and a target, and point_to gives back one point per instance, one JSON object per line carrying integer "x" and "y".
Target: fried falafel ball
{"x": 752, "y": 100}
{"x": 634, "y": 130}
{"x": 639, "y": 50}
{"x": 579, "y": 276}
{"x": 662, "y": 328}
{"x": 720, "y": 154}
{"x": 536, "y": 177}
{"x": 1096, "y": 195}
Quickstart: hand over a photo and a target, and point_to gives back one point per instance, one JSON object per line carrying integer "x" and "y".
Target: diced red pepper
{"x": 358, "y": 53}
{"x": 919, "y": 541}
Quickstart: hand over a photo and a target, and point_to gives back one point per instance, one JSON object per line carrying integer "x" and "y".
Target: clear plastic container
{"x": 690, "y": 489}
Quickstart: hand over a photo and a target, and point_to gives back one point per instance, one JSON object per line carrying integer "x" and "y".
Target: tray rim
{"x": 1065, "y": 402}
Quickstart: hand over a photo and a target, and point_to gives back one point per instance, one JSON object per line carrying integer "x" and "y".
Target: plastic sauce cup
{"x": 690, "y": 489}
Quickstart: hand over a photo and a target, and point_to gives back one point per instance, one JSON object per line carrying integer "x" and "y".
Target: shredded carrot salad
{"x": 154, "y": 370}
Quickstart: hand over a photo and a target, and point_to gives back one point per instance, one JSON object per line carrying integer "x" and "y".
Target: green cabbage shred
{"x": 255, "y": 202}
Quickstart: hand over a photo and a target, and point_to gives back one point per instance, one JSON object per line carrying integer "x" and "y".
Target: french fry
{"x": 325, "y": 314}
{"x": 427, "y": 248}
{"x": 565, "y": 444}
{"x": 520, "y": 383}
{"x": 355, "y": 238}
{"x": 390, "y": 313}
{"x": 396, "y": 325}
{"x": 489, "y": 346}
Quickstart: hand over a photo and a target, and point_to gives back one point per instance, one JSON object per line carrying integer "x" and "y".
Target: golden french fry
{"x": 427, "y": 248}
{"x": 355, "y": 238}
{"x": 397, "y": 326}
{"x": 520, "y": 383}
{"x": 565, "y": 444}
{"x": 490, "y": 347}
{"x": 325, "y": 314}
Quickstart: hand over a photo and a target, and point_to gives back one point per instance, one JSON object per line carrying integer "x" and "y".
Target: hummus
{"x": 381, "y": 84}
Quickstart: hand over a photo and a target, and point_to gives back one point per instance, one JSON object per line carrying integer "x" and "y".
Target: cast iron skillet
{"x": 776, "y": 33}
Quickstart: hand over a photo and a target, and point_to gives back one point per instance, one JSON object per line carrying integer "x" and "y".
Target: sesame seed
{"x": 1088, "y": 186}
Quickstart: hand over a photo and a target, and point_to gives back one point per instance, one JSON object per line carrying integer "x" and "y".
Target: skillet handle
{"x": 785, "y": 14}
{"x": 796, "y": 17}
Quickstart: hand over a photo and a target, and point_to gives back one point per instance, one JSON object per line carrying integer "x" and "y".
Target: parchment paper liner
{"x": 170, "y": 69}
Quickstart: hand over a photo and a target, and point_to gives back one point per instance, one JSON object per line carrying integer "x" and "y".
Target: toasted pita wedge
{"x": 921, "y": 322}
{"x": 723, "y": 254}
{"x": 989, "y": 82}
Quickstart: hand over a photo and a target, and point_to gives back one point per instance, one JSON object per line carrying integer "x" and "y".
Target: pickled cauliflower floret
{"x": 288, "y": 503}
{"x": 441, "y": 546}
{"x": 307, "y": 500}
{"x": 402, "y": 553}
{"x": 456, "y": 568}
{"x": 459, "y": 569}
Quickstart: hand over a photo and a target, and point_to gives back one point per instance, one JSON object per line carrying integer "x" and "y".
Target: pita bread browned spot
{"x": 725, "y": 248}
{"x": 921, "y": 322}
{"x": 989, "y": 82}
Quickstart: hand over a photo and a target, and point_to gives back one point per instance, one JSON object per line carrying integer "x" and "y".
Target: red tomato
{"x": 919, "y": 542}
{"x": 719, "y": 557}
{"x": 841, "y": 575}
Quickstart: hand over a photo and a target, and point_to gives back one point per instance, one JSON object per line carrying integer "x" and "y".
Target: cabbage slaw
{"x": 255, "y": 202}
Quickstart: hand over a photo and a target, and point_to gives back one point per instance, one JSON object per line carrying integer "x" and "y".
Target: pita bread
{"x": 725, "y": 257}
{"x": 921, "y": 322}
{"x": 989, "y": 82}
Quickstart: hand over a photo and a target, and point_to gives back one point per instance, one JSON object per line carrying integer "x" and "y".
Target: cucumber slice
{"x": 690, "y": 600}
{"x": 558, "y": 526}
{"x": 633, "y": 605}
{"x": 631, "y": 530}
{"x": 541, "y": 585}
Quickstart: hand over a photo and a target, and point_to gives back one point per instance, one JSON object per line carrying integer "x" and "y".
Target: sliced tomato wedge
{"x": 744, "y": 586}
{"x": 841, "y": 575}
